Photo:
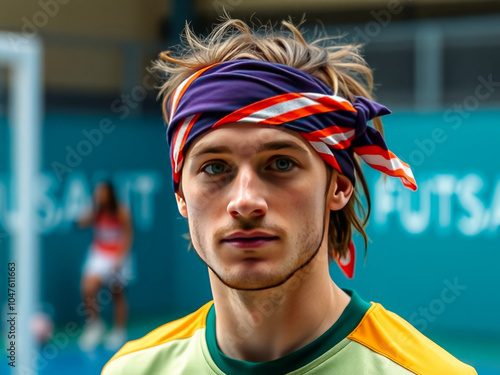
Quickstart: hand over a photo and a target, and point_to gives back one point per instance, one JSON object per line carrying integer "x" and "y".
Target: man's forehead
{"x": 248, "y": 138}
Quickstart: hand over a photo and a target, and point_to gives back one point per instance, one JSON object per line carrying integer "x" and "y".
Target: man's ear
{"x": 181, "y": 204}
{"x": 340, "y": 192}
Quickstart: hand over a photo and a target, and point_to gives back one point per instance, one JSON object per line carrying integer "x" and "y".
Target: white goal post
{"x": 23, "y": 57}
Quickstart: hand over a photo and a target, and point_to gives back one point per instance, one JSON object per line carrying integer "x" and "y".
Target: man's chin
{"x": 246, "y": 281}
{"x": 246, "y": 286}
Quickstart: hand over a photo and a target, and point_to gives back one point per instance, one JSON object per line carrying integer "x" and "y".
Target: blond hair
{"x": 341, "y": 67}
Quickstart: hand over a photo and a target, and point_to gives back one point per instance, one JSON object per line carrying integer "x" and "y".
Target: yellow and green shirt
{"x": 366, "y": 339}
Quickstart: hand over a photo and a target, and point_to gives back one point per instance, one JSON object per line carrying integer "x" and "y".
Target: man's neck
{"x": 259, "y": 326}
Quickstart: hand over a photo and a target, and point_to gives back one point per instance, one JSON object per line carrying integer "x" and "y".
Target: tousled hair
{"x": 341, "y": 67}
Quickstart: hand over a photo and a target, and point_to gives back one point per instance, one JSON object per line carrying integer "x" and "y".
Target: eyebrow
{"x": 268, "y": 146}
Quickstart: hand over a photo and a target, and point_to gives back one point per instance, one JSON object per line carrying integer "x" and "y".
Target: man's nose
{"x": 246, "y": 196}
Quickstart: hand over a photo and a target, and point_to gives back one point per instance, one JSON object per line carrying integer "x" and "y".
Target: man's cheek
{"x": 204, "y": 198}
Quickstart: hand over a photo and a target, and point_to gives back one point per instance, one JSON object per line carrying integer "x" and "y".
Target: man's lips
{"x": 246, "y": 240}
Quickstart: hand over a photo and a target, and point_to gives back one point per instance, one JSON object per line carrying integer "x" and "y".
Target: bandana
{"x": 252, "y": 91}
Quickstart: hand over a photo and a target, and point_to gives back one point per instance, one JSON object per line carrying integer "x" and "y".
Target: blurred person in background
{"x": 107, "y": 266}
{"x": 264, "y": 131}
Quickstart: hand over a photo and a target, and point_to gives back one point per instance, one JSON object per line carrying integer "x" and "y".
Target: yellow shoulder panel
{"x": 178, "y": 329}
{"x": 391, "y": 336}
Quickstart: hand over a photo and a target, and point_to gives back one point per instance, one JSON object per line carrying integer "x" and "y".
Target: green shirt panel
{"x": 191, "y": 357}
{"x": 184, "y": 356}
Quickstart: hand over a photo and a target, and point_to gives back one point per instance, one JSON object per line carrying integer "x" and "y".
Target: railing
{"x": 432, "y": 45}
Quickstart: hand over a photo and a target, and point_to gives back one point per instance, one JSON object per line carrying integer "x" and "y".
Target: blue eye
{"x": 215, "y": 168}
{"x": 282, "y": 164}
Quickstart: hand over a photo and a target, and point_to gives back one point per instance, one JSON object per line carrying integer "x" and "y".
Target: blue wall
{"x": 446, "y": 233}
{"x": 433, "y": 256}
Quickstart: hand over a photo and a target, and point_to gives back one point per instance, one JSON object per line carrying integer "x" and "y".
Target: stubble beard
{"x": 305, "y": 257}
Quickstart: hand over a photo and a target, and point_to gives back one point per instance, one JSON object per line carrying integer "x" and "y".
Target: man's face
{"x": 102, "y": 195}
{"x": 255, "y": 201}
